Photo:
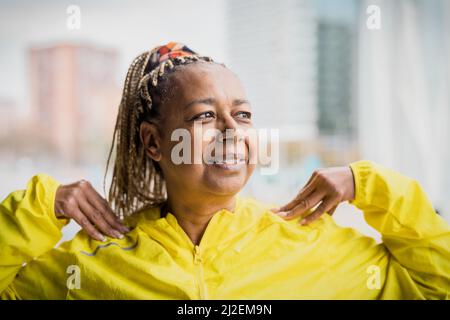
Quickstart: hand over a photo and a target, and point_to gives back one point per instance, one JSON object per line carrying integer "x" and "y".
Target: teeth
{"x": 228, "y": 159}
{"x": 230, "y": 162}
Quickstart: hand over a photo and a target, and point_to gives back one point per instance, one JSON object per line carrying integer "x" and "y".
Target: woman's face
{"x": 203, "y": 96}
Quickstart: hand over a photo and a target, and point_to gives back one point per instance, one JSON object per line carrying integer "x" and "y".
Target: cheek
{"x": 250, "y": 169}
{"x": 166, "y": 150}
{"x": 176, "y": 163}
{"x": 202, "y": 146}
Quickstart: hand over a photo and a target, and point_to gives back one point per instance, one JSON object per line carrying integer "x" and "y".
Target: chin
{"x": 225, "y": 184}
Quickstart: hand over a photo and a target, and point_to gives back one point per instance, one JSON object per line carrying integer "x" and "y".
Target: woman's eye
{"x": 244, "y": 115}
{"x": 204, "y": 115}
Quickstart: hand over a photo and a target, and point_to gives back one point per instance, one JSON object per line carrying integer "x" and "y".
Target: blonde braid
{"x": 136, "y": 182}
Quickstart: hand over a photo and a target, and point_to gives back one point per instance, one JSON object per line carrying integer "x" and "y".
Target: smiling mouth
{"x": 230, "y": 162}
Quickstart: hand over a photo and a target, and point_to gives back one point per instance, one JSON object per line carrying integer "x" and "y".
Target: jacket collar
{"x": 223, "y": 227}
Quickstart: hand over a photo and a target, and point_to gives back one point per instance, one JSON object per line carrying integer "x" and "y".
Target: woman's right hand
{"x": 81, "y": 202}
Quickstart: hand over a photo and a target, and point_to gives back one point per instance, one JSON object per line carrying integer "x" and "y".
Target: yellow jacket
{"x": 248, "y": 254}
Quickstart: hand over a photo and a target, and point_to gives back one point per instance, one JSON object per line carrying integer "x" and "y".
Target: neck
{"x": 193, "y": 215}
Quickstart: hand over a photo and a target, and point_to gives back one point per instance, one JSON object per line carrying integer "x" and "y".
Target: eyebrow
{"x": 212, "y": 101}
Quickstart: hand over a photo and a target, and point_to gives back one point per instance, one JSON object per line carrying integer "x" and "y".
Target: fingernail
{"x": 303, "y": 221}
{"x": 275, "y": 209}
{"x": 102, "y": 238}
{"x": 118, "y": 235}
{"x": 282, "y": 214}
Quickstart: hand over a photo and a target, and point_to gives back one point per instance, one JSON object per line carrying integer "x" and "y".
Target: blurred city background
{"x": 337, "y": 89}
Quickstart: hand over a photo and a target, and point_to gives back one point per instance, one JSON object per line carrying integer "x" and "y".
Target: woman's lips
{"x": 229, "y": 162}
{"x": 232, "y": 164}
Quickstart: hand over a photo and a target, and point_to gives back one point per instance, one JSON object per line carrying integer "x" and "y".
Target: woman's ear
{"x": 150, "y": 138}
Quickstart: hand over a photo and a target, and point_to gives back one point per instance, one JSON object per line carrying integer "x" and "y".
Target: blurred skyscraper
{"x": 8, "y": 117}
{"x": 335, "y": 78}
{"x": 296, "y": 62}
{"x": 337, "y": 83}
{"x": 404, "y": 96}
{"x": 74, "y": 98}
{"x": 272, "y": 48}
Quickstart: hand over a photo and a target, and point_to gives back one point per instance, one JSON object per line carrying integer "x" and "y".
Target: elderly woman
{"x": 186, "y": 234}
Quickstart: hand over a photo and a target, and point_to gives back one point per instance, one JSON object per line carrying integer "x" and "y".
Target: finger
{"x": 115, "y": 222}
{"x": 97, "y": 219}
{"x": 331, "y": 211}
{"x": 326, "y": 205}
{"x": 102, "y": 206}
{"x": 83, "y": 221}
{"x": 304, "y": 205}
{"x": 304, "y": 192}
{"x": 313, "y": 175}
{"x": 96, "y": 200}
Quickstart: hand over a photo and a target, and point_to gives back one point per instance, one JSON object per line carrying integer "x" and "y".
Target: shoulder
{"x": 84, "y": 245}
{"x": 143, "y": 215}
{"x": 262, "y": 212}
{"x": 251, "y": 204}
{"x": 251, "y": 207}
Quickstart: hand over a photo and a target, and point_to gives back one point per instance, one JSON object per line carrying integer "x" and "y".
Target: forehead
{"x": 206, "y": 80}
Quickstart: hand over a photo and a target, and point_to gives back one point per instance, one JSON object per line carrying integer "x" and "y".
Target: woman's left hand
{"x": 329, "y": 187}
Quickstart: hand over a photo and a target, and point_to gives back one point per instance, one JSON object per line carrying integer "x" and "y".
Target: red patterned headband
{"x": 162, "y": 58}
{"x": 169, "y": 51}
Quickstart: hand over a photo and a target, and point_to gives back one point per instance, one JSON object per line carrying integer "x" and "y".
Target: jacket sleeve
{"x": 417, "y": 238}
{"x": 29, "y": 227}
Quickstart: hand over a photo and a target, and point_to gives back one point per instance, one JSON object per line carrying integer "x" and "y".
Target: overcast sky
{"x": 130, "y": 26}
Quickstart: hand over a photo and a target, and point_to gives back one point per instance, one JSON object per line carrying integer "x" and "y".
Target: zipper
{"x": 198, "y": 261}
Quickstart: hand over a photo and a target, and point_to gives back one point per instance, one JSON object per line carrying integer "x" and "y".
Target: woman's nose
{"x": 227, "y": 122}
{"x": 230, "y": 130}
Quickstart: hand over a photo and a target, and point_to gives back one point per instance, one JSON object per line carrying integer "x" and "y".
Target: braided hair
{"x": 137, "y": 181}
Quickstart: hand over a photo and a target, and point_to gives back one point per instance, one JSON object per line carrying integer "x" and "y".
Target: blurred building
{"x": 336, "y": 87}
{"x": 8, "y": 117}
{"x": 335, "y": 78}
{"x": 404, "y": 96}
{"x": 74, "y": 98}
{"x": 272, "y": 48}
{"x": 297, "y": 63}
